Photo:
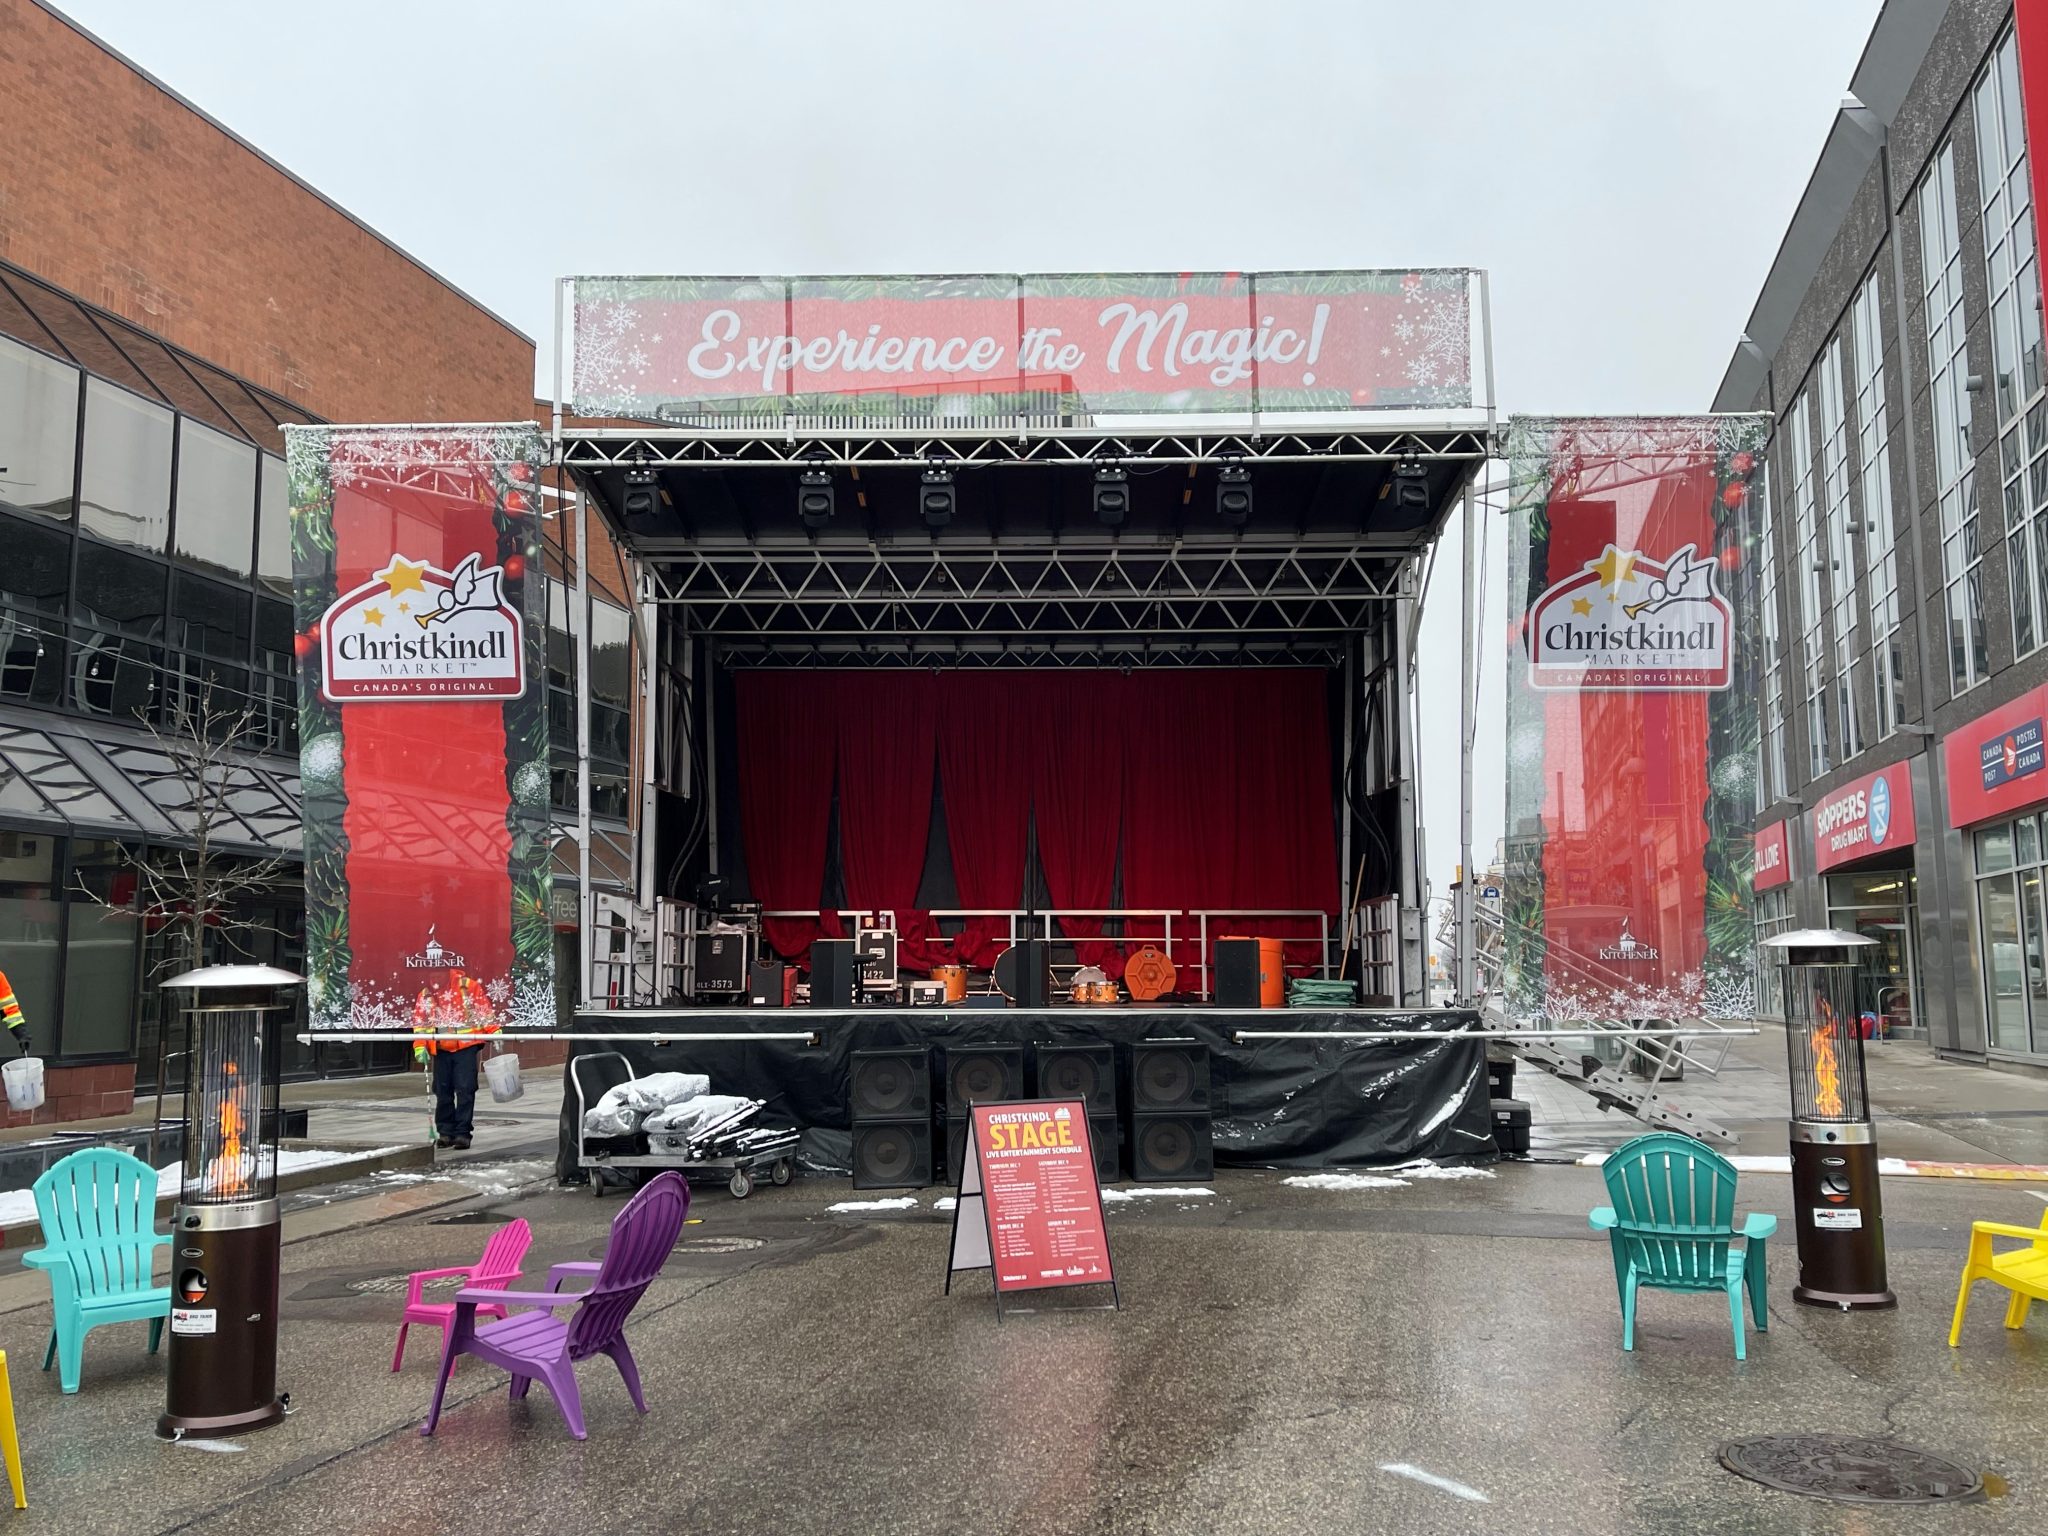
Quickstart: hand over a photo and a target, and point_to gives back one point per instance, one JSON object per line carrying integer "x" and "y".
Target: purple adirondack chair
{"x": 530, "y": 1344}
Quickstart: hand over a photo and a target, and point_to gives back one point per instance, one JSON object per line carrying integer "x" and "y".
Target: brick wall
{"x": 121, "y": 193}
{"x": 79, "y": 1093}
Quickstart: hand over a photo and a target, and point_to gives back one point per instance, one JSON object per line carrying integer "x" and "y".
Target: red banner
{"x": 1226, "y": 342}
{"x": 1997, "y": 765}
{"x": 1044, "y": 1208}
{"x": 1864, "y": 818}
{"x": 1773, "y": 857}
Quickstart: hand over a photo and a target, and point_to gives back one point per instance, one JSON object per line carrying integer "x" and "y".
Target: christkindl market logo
{"x": 1627, "y": 949}
{"x": 1630, "y": 621}
{"x": 432, "y": 957}
{"x": 415, "y": 631}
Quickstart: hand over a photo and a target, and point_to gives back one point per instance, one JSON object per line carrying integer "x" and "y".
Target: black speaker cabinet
{"x": 893, "y": 1084}
{"x": 1237, "y": 973}
{"x": 1081, "y": 1071}
{"x": 721, "y": 964}
{"x": 892, "y": 1154}
{"x": 1024, "y": 973}
{"x": 768, "y": 984}
{"x": 953, "y": 1131}
{"x": 1105, "y": 1139}
{"x": 1169, "y": 1077}
{"x": 1171, "y": 1149}
{"x": 835, "y": 974}
{"x": 983, "y": 1074}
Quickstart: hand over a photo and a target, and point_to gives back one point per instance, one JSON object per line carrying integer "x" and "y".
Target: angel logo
{"x": 465, "y": 639}
{"x": 433, "y": 956}
{"x": 1632, "y": 621}
{"x": 1628, "y": 949}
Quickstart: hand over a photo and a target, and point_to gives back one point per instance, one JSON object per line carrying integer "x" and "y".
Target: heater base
{"x": 174, "y": 1426}
{"x": 1845, "y": 1301}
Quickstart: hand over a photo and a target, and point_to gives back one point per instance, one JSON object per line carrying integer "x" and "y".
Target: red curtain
{"x": 987, "y": 752}
{"x": 786, "y": 747}
{"x": 1077, "y": 797}
{"x": 887, "y": 727}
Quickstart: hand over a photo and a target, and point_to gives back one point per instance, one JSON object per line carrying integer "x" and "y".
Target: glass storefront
{"x": 2011, "y": 922}
{"x": 1773, "y": 916}
{"x": 1882, "y": 904}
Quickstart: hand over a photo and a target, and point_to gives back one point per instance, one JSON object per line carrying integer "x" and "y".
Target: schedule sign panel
{"x": 1043, "y": 1206}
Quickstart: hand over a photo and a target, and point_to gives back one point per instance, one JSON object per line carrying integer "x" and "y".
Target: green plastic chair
{"x": 1672, "y": 1227}
{"x": 98, "y": 1209}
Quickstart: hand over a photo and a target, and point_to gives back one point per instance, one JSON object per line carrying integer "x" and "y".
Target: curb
{"x": 1891, "y": 1167}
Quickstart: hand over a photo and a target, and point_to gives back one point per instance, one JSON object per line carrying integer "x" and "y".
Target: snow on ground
{"x": 900, "y": 1203}
{"x": 946, "y": 1204}
{"x": 1153, "y": 1192}
{"x": 19, "y": 1205}
{"x": 1398, "y": 1177}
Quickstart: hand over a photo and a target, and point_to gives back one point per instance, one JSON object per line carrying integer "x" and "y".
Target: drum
{"x": 1149, "y": 975}
{"x": 955, "y": 979}
{"x": 1103, "y": 992}
{"x": 1081, "y": 992}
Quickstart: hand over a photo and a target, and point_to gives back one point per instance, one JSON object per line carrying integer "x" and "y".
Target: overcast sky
{"x": 1624, "y": 170}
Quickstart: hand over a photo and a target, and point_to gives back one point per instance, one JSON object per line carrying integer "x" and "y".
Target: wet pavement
{"x": 1286, "y": 1360}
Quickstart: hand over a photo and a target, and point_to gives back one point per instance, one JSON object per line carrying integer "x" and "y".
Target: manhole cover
{"x": 378, "y": 1285}
{"x": 1851, "y": 1469}
{"x": 717, "y": 1244}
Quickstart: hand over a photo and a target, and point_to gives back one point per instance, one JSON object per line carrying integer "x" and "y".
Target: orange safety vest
{"x": 10, "y": 1009}
{"x": 467, "y": 1012}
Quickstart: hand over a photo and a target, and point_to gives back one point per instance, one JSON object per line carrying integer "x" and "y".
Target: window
{"x": 31, "y": 912}
{"x": 1948, "y": 364}
{"x": 216, "y": 500}
{"x": 1772, "y": 736}
{"x": 1812, "y": 648}
{"x": 2015, "y": 293}
{"x": 1880, "y": 552}
{"x": 33, "y": 579}
{"x": 124, "y": 492}
{"x": 1841, "y": 559}
{"x": 274, "y": 526}
{"x": 210, "y": 629}
{"x": 119, "y": 601}
{"x": 38, "y": 432}
{"x": 1773, "y": 916}
{"x": 101, "y": 941}
{"x": 2012, "y": 934}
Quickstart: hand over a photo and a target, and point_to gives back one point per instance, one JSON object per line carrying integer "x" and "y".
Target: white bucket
{"x": 502, "y": 1073}
{"x": 24, "y": 1079}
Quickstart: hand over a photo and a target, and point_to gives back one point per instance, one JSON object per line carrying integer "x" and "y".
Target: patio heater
{"x": 1837, "y": 1214}
{"x": 225, "y": 1232}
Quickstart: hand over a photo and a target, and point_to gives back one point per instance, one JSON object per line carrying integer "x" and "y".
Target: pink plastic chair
{"x": 499, "y": 1266}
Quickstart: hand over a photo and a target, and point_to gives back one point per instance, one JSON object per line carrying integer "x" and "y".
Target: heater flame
{"x": 1827, "y": 1063}
{"x": 229, "y": 1173}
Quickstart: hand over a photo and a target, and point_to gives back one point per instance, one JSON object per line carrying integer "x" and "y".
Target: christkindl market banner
{"x": 685, "y": 347}
{"x": 423, "y": 727}
{"x": 1632, "y": 717}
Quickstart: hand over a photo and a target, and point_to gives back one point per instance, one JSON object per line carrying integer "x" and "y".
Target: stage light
{"x": 643, "y": 496}
{"x": 814, "y": 497}
{"x": 1411, "y": 484}
{"x": 1234, "y": 495}
{"x": 935, "y": 498}
{"x": 1112, "y": 496}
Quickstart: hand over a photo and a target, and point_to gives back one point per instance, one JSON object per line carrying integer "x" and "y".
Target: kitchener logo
{"x": 1630, "y": 621}
{"x": 415, "y": 631}
{"x": 432, "y": 957}
{"x": 1628, "y": 949}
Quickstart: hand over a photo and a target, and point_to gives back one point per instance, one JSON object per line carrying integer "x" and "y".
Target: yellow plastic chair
{"x": 8, "y": 1443}
{"x": 2023, "y": 1271}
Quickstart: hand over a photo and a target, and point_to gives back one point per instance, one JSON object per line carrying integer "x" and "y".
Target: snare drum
{"x": 1102, "y": 992}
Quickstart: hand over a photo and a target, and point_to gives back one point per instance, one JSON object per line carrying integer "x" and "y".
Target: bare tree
{"x": 198, "y": 885}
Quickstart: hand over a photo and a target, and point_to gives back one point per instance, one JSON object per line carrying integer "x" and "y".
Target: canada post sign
{"x": 415, "y": 631}
{"x": 1629, "y": 620}
{"x": 2013, "y": 754}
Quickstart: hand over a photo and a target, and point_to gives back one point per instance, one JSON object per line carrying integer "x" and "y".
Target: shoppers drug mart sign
{"x": 1869, "y": 816}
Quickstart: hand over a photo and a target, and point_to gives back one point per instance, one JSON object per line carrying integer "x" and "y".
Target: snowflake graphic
{"x": 610, "y": 365}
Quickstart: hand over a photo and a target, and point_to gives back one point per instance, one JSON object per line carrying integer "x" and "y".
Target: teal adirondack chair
{"x": 1672, "y": 1227}
{"x": 98, "y": 1209}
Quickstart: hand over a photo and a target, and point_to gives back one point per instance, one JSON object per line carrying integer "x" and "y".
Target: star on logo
{"x": 374, "y": 616}
{"x": 1582, "y": 606}
{"x": 1614, "y": 568}
{"x": 401, "y": 575}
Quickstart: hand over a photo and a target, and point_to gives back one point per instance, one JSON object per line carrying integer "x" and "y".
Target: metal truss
{"x": 1010, "y": 443}
{"x": 1124, "y": 651}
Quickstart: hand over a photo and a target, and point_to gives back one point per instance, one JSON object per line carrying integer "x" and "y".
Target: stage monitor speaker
{"x": 1250, "y": 973}
{"x": 983, "y": 1074}
{"x": 1084, "y": 1071}
{"x": 1171, "y": 1149}
{"x": 768, "y": 984}
{"x": 1169, "y": 1077}
{"x": 893, "y": 1084}
{"x": 892, "y": 1154}
{"x": 835, "y": 974}
{"x": 1024, "y": 973}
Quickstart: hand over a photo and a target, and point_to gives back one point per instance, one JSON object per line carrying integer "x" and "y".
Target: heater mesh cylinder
{"x": 230, "y": 1146}
{"x": 1824, "y": 1043}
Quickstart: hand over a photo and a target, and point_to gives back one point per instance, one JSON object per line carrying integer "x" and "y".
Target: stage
{"x": 1342, "y": 1102}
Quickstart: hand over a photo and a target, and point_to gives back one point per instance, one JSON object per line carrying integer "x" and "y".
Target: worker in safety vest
{"x": 11, "y": 1014}
{"x": 460, "y": 1016}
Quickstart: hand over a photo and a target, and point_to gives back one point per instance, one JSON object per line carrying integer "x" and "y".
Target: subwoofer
{"x": 1083, "y": 1071}
{"x": 1169, "y": 1077}
{"x": 1171, "y": 1149}
{"x": 983, "y": 1074}
{"x": 835, "y": 974}
{"x": 890, "y": 1085}
{"x": 1105, "y": 1137}
{"x": 892, "y": 1154}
